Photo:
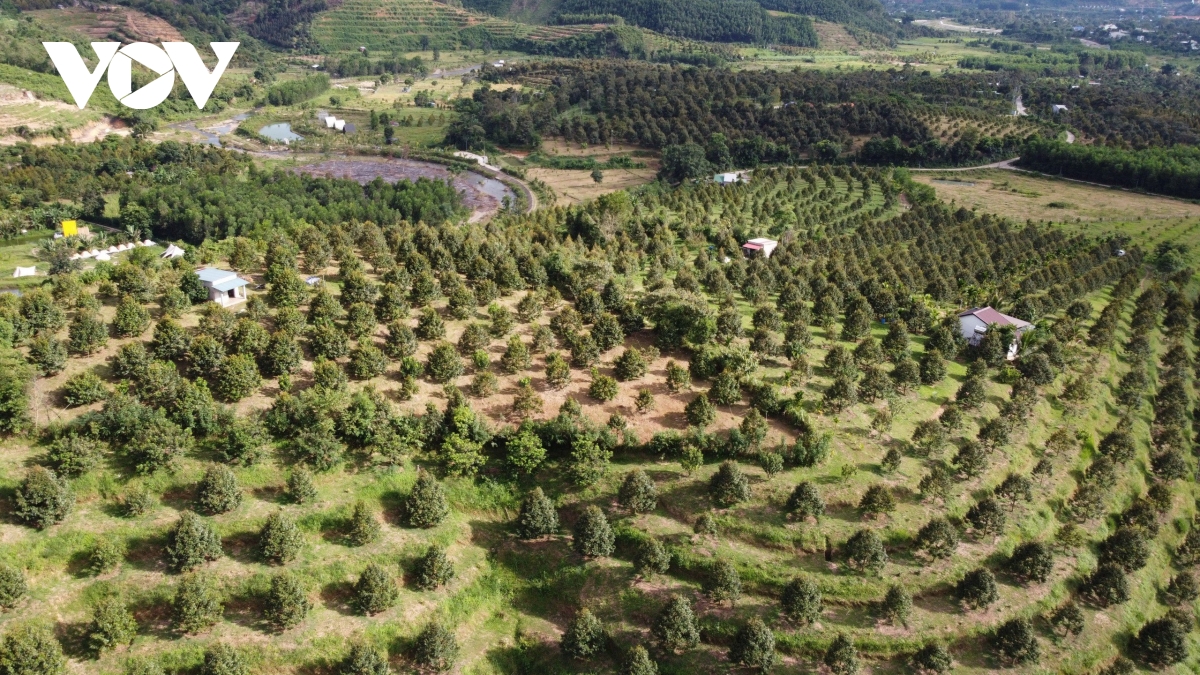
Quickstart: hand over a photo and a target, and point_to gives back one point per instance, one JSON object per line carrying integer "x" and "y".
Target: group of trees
{"x": 1172, "y": 170}
{"x": 706, "y": 20}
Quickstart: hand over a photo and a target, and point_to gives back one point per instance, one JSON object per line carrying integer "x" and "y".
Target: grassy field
{"x": 1079, "y": 206}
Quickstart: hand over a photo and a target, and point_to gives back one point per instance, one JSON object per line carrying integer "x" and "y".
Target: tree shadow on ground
{"x": 337, "y": 596}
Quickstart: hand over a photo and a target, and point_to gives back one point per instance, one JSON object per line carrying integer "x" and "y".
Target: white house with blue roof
{"x": 224, "y": 287}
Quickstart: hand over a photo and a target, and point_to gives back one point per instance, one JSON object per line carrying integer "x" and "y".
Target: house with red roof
{"x": 974, "y": 324}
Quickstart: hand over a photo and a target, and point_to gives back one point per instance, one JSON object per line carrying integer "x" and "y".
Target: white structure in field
{"x": 481, "y": 160}
{"x": 726, "y": 178}
{"x": 759, "y": 247}
{"x": 974, "y": 323}
{"x": 224, "y": 287}
{"x": 25, "y": 272}
{"x": 172, "y": 251}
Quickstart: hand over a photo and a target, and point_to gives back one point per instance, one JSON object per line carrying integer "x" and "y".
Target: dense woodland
{"x": 1170, "y": 171}
{"x": 707, "y": 20}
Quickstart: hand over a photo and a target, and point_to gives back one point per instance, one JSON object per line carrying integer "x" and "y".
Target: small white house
{"x": 974, "y": 324}
{"x": 1056, "y": 109}
{"x": 726, "y": 178}
{"x": 759, "y": 247}
{"x": 224, "y": 287}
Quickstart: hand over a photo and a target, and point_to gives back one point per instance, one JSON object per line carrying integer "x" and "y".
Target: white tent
{"x": 94, "y": 252}
{"x": 112, "y": 249}
{"x": 85, "y": 254}
{"x": 75, "y": 256}
{"x": 102, "y": 256}
{"x": 172, "y": 251}
{"x": 339, "y": 124}
{"x": 329, "y": 122}
{"x": 25, "y": 272}
{"x": 147, "y": 243}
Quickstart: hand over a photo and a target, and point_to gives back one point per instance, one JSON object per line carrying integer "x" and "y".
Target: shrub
{"x": 987, "y": 516}
{"x": 675, "y": 627}
{"x": 279, "y": 540}
{"x": 327, "y": 340}
{"x": 287, "y": 602}
{"x": 329, "y": 375}
{"x": 375, "y": 591}
{"x": 841, "y": 657}
{"x": 638, "y": 493}
{"x": 137, "y": 501}
{"x": 221, "y": 659}
{"x": 589, "y": 460}
{"x": 584, "y": 637}
{"x": 644, "y": 401}
{"x": 700, "y": 412}
{"x": 364, "y": 527}
{"x": 896, "y": 606}
{"x": 877, "y": 500}
{"x": 723, "y": 582}
{"x": 593, "y": 537}
{"x": 318, "y": 446}
{"x": 524, "y": 452}
{"x": 73, "y": 455}
{"x": 651, "y": 558}
{"x": 1181, "y": 589}
{"x": 558, "y": 371}
{"x": 864, "y": 552}
{"x": 729, "y": 485}
{"x": 237, "y": 377}
{"x": 603, "y": 388}
{"x": 977, "y": 589}
{"x": 43, "y": 499}
{"x": 805, "y": 501}
{"x": 191, "y": 543}
{"x": 1031, "y": 561}
{"x": 436, "y": 648}
{"x": 1015, "y": 642}
{"x": 31, "y": 649}
{"x": 400, "y": 341}
{"x": 12, "y": 586}
{"x": 83, "y": 389}
{"x": 426, "y": 504}
{"x": 538, "y": 517}
{"x": 771, "y": 463}
{"x": 630, "y": 365}
{"x": 705, "y": 524}
{"x": 938, "y": 538}
{"x": 801, "y": 600}
{"x": 364, "y": 659}
{"x": 433, "y": 569}
{"x": 198, "y": 603}
{"x": 112, "y": 625}
{"x": 754, "y": 646}
{"x": 219, "y": 491}
{"x": 105, "y": 555}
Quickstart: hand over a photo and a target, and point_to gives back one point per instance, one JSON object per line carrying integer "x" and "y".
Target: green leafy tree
{"x": 375, "y": 591}
{"x": 198, "y": 603}
{"x": 865, "y": 553}
{"x": 1015, "y": 642}
{"x": 938, "y": 538}
{"x": 364, "y": 659}
{"x": 73, "y": 455}
{"x": 131, "y": 319}
{"x": 237, "y": 378}
{"x": 444, "y": 363}
{"x": 675, "y": 627}
{"x": 1067, "y": 619}
{"x": 593, "y": 536}
{"x": 842, "y": 657}
{"x": 219, "y": 491}
{"x": 638, "y": 662}
{"x": 977, "y": 589}
{"x": 287, "y": 602}
{"x": 700, "y": 412}
{"x": 31, "y": 649}
{"x": 87, "y": 334}
{"x": 588, "y": 461}
{"x": 754, "y": 646}
{"x": 436, "y": 648}
{"x": 723, "y": 582}
{"x": 651, "y": 558}
{"x": 896, "y": 605}
{"x": 363, "y": 527}
{"x": 47, "y": 355}
{"x": 222, "y": 659}
{"x": 805, "y": 501}
{"x": 987, "y": 516}
{"x": 367, "y": 361}
{"x": 280, "y": 540}
{"x": 1162, "y": 642}
{"x": 12, "y": 586}
{"x": 524, "y": 452}
{"x": 558, "y": 371}
{"x": 933, "y": 658}
{"x": 801, "y": 600}
{"x": 729, "y": 486}
{"x": 584, "y": 637}
{"x": 43, "y": 499}
{"x": 638, "y": 493}
{"x": 1031, "y": 561}
{"x": 1126, "y": 547}
{"x": 1107, "y": 586}
{"x": 300, "y": 488}
{"x": 105, "y": 556}
{"x": 433, "y": 570}
{"x": 877, "y": 500}
{"x": 191, "y": 542}
{"x": 112, "y": 625}
{"x": 171, "y": 341}
{"x": 602, "y": 388}
{"x": 426, "y": 505}
{"x": 516, "y": 356}
{"x": 538, "y": 517}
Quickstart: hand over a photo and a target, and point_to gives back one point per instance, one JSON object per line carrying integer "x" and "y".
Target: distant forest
{"x": 1171, "y": 171}
{"x": 710, "y": 20}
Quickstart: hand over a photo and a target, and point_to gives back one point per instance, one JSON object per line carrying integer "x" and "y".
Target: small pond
{"x": 280, "y": 131}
